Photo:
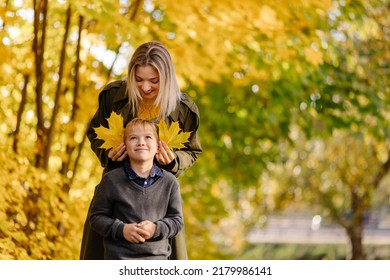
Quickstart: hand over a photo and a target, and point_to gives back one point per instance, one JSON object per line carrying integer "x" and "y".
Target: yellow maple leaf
{"x": 113, "y": 135}
{"x": 173, "y": 136}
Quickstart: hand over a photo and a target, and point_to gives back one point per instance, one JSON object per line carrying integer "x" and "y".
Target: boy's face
{"x": 141, "y": 143}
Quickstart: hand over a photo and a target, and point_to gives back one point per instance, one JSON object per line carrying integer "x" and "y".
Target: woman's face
{"x": 148, "y": 82}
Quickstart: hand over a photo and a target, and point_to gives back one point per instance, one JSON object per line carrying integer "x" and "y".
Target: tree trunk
{"x": 136, "y": 7}
{"x": 66, "y": 186}
{"x": 58, "y": 93}
{"x": 40, "y": 22}
{"x": 71, "y": 147}
{"x": 355, "y": 235}
{"x": 382, "y": 171}
{"x": 356, "y": 224}
{"x": 20, "y": 113}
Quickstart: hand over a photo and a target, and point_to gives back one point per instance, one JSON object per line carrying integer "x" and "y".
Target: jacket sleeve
{"x": 189, "y": 122}
{"x": 100, "y": 118}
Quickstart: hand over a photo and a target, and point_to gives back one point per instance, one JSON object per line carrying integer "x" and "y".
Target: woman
{"x": 149, "y": 91}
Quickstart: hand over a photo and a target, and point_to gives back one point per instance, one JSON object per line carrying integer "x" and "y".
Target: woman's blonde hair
{"x": 155, "y": 54}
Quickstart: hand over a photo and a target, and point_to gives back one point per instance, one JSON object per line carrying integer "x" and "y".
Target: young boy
{"x": 138, "y": 207}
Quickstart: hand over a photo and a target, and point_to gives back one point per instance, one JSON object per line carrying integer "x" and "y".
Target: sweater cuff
{"x": 157, "y": 233}
{"x": 119, "y": 231}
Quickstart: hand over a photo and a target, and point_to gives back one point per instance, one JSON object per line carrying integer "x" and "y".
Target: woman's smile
{"x": 148, "y": 82}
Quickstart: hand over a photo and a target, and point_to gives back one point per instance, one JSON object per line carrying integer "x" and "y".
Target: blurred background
{"x": 294, "y": 99}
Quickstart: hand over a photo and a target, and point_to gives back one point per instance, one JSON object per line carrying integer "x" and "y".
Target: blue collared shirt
{"x": 154, "y": 175}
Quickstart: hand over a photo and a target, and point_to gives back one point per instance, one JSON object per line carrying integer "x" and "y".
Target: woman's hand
{"x": 119, "y": 153}
{"x": 164, "y": 155}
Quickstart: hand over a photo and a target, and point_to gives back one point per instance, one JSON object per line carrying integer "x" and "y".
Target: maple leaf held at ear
{"x": 113, "y": 135}
{"x": 172, "y": 135}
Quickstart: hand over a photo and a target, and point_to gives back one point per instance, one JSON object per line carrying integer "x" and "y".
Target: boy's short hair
{"x": 142, "y": 122}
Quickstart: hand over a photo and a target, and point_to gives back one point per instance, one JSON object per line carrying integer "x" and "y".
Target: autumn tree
{"x": 346, "y": 115}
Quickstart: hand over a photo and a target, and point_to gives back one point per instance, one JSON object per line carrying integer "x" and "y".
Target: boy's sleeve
{"x": 100, "y": 216}
{"x": 172, "y": 223}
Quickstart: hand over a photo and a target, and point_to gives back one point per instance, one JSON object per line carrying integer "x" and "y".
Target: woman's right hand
{"x": 119, "y": 153}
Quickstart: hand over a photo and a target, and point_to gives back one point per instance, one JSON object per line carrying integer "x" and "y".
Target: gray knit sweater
{"x": 118, "y": 200}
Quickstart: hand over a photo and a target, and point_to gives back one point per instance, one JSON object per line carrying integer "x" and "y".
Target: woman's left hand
{"x": 164, "y": 155}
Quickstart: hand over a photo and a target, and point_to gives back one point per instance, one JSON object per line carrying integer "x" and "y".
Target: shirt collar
{"x": 155, "y": 172}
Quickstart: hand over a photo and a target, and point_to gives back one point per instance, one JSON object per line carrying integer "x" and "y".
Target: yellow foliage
{"x": 313, "y": 56}
{"x": 113, "y": 135}
{"x": 222, "y": 33}
{"x": 172, "y": 136}
{"x": 38, "y": 220}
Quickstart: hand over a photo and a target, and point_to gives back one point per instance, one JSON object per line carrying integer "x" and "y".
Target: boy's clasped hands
{"x": 139, "y": 232}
